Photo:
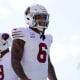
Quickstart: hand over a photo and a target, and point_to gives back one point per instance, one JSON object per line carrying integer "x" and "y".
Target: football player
{"x": 6, "y": 70}
{"x": 30, "y": 48}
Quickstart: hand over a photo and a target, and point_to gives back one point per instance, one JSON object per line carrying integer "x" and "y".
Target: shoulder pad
{"x": 18, "y": 33}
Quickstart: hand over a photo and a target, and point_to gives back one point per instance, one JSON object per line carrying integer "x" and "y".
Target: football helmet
{"x": 30, "y": 17}
{"x": 5, "y": 41}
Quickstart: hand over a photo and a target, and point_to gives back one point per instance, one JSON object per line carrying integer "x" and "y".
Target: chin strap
{"x": 42, "y": 34}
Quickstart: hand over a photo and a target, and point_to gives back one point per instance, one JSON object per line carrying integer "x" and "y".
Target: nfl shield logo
{"x": 32, "y": 35}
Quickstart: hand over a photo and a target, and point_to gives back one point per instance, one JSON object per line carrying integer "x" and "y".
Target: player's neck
{"x": 4, "y": 52}
{"x": 35, "y": 29}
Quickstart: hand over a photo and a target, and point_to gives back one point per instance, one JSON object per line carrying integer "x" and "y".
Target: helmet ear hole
{"x": 4, "y": 44}
{"x": 27, "y": 18}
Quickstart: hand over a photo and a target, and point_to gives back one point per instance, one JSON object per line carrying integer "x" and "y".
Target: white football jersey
{"x": 36, "y": 51}
{"x": 6, "y": 71}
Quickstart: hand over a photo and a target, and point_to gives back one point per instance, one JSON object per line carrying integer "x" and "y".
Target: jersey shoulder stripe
{"x": 18, "y": 33}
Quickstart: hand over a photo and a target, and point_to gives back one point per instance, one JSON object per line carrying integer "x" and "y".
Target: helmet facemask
{"x": 42, "y": 21}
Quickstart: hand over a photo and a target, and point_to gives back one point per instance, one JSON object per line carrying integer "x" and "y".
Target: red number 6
{"x": 42, "y": 54}
{"x": 1, "y": 72}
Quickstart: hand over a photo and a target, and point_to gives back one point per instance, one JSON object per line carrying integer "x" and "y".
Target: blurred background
{"x": 64, "y": 26}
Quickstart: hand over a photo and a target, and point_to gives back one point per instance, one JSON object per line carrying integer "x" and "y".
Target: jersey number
{"x": 1, "y": 72}
{"x": 42, "y": 54}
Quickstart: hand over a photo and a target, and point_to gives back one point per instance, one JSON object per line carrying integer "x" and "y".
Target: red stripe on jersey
{"x": 16, "y": 31}
{"x": 18, "y": 36}
{"x": 44, "y": 11}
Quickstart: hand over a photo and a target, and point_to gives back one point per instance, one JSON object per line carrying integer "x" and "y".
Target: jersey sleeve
{"x": 18, "y": 33}
{"x": 50, "y": 39}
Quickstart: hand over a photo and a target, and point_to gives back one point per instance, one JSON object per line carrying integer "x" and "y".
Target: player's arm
{"x": 51, "y": 71}
{"x": 16, "y": 56}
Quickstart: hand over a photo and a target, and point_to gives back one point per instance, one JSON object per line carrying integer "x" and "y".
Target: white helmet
{"x": 34, "y": 10}
{"x": 5, "y": 41}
